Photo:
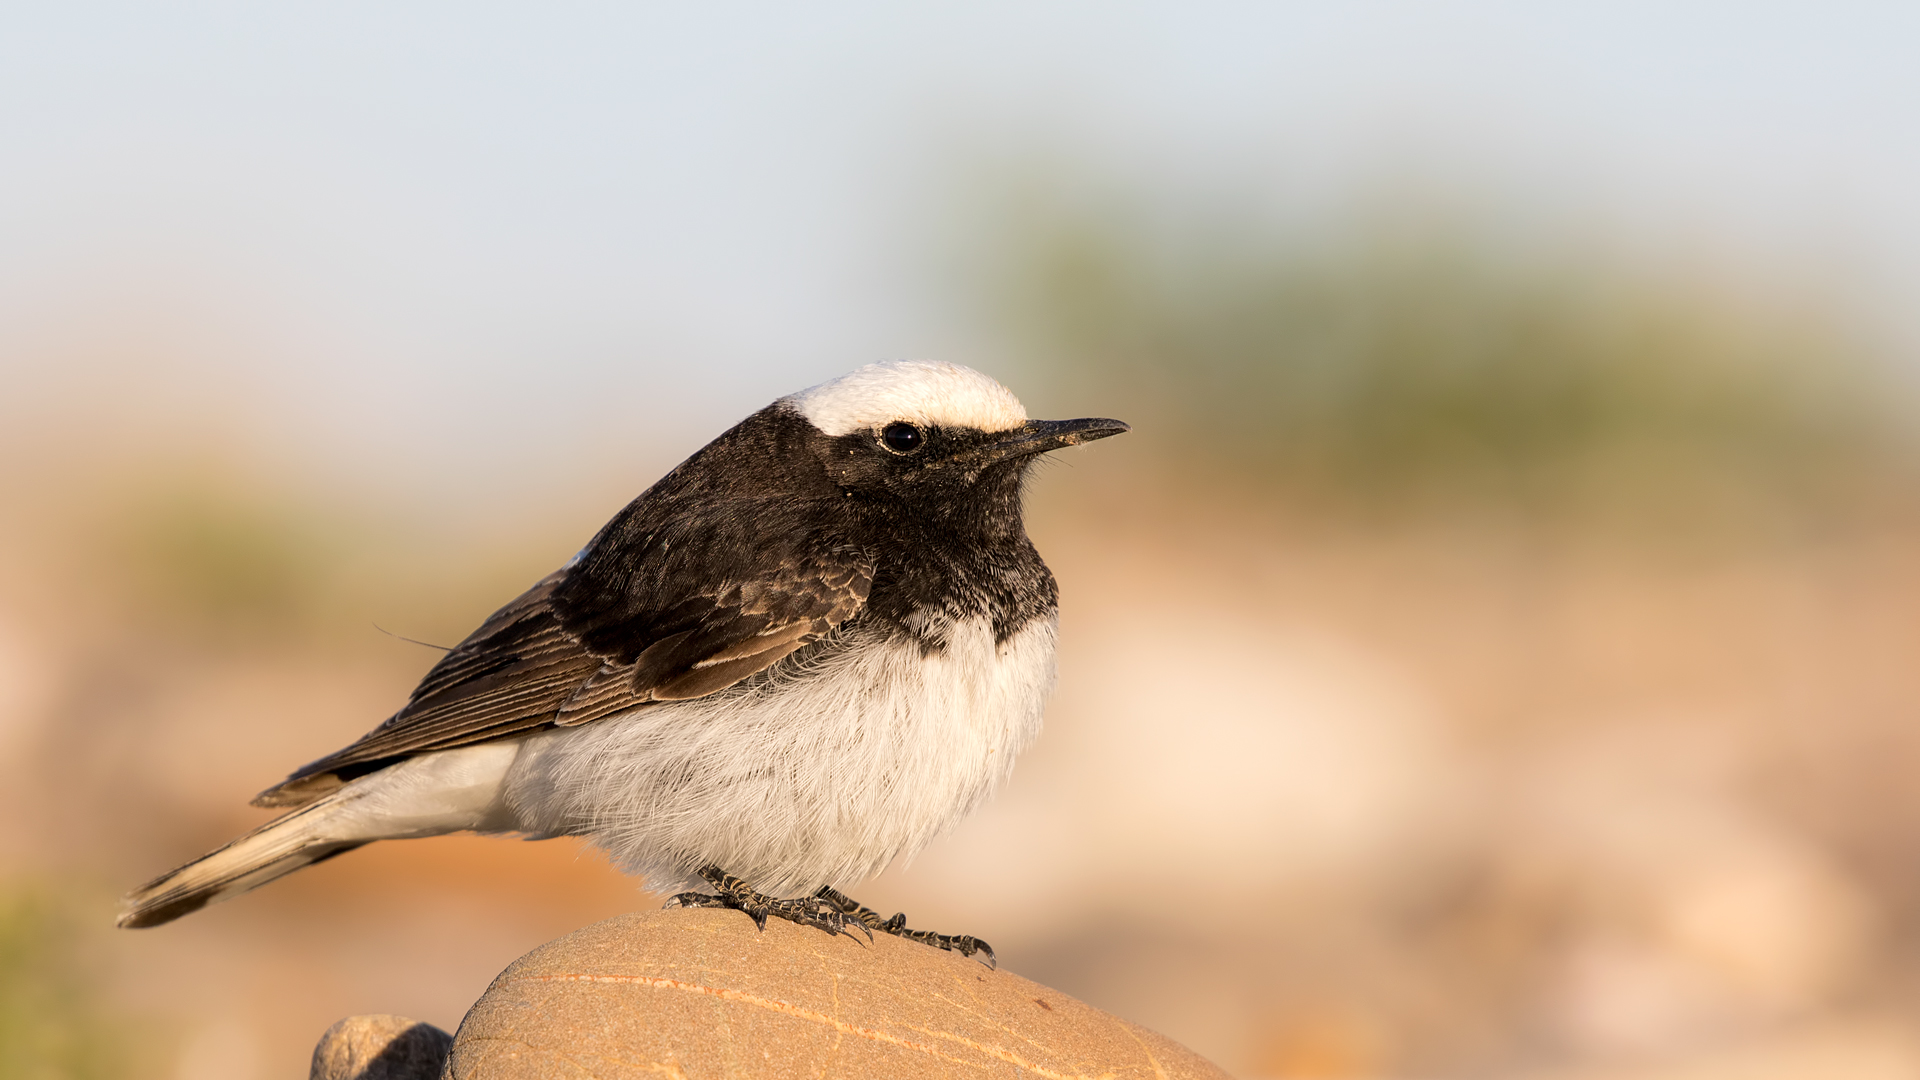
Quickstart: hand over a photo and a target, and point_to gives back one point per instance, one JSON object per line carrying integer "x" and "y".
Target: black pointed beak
{"x": 1040, "y": 436}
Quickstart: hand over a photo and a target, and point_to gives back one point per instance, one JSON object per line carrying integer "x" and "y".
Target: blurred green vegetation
{"x": 220, "y": 553}
{"x": 53, "y": 1024}
{"x": 205, "y": 549}
{"x": 1392, "y": 354}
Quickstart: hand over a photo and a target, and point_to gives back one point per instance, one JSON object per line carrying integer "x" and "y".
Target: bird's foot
{"x": 865, "y": 916}
{"x": 731, "y": 892}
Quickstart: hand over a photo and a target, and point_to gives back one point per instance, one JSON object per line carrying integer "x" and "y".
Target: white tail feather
{"x": 429, "y": 795}
{"x": 273, "y": 850}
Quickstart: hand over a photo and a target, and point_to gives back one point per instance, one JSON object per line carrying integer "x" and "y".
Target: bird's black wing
{"x": 674, "y": 611}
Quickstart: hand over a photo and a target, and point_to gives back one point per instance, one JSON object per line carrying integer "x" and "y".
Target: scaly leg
{"x": 857, "y": 912}
{"x": 738, "y": 895}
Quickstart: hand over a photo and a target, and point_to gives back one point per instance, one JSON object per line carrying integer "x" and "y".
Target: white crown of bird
{"x": 924, "y": 392}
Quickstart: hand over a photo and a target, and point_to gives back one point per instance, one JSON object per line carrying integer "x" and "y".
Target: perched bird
{"x": 805, "y": 652}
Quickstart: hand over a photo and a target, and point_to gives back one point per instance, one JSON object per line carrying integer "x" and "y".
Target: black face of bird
{"x": 943, "y": 470}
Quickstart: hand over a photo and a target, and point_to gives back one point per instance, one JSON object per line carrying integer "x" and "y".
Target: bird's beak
{"x": 1040, "y": 436}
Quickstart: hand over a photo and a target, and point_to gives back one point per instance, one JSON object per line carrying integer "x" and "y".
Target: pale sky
{"x": 418, "y": 226}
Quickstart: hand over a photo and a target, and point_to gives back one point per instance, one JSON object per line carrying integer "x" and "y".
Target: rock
{"x": 380, "y": 1048}
{"x": 699, "y": 993}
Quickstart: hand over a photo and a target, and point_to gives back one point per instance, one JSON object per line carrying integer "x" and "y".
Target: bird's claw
{"x": 731, "y": 892}
{"x": 870, "y": 920}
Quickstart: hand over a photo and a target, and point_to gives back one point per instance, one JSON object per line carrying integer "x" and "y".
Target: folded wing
{"x": 651, "y": 611}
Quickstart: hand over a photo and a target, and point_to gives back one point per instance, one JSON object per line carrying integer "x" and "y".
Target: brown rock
{"x": 700, "y": 994}
{"x": 380, "y": 1048}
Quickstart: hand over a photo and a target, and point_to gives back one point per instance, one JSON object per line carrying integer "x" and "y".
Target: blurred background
{"x": 1491, "y": 655}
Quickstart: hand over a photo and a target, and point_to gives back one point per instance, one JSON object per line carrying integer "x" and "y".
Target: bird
{"x": 807, "y": 651}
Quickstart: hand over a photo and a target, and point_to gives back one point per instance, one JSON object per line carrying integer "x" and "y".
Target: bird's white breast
{"x": 818, "y": 773}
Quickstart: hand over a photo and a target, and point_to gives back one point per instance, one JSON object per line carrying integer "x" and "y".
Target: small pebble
{"x": 381, "y": 1047}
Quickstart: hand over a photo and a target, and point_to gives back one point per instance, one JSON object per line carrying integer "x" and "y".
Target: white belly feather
{"x": 819, "y": 775}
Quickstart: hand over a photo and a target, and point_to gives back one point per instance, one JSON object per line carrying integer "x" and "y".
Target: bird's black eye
{"x": 903, "y": 438}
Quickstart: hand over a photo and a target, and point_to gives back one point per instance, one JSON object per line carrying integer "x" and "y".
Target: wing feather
{"x": 526, "y": 668}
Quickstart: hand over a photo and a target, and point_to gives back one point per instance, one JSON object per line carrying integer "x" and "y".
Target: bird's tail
{"x": 429, "y": 795}
{"x": 273, "y": 850}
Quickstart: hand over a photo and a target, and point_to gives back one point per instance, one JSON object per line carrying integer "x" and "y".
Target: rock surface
{"x": 702, "y": 994}
{"x": 380, "y": 1048}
